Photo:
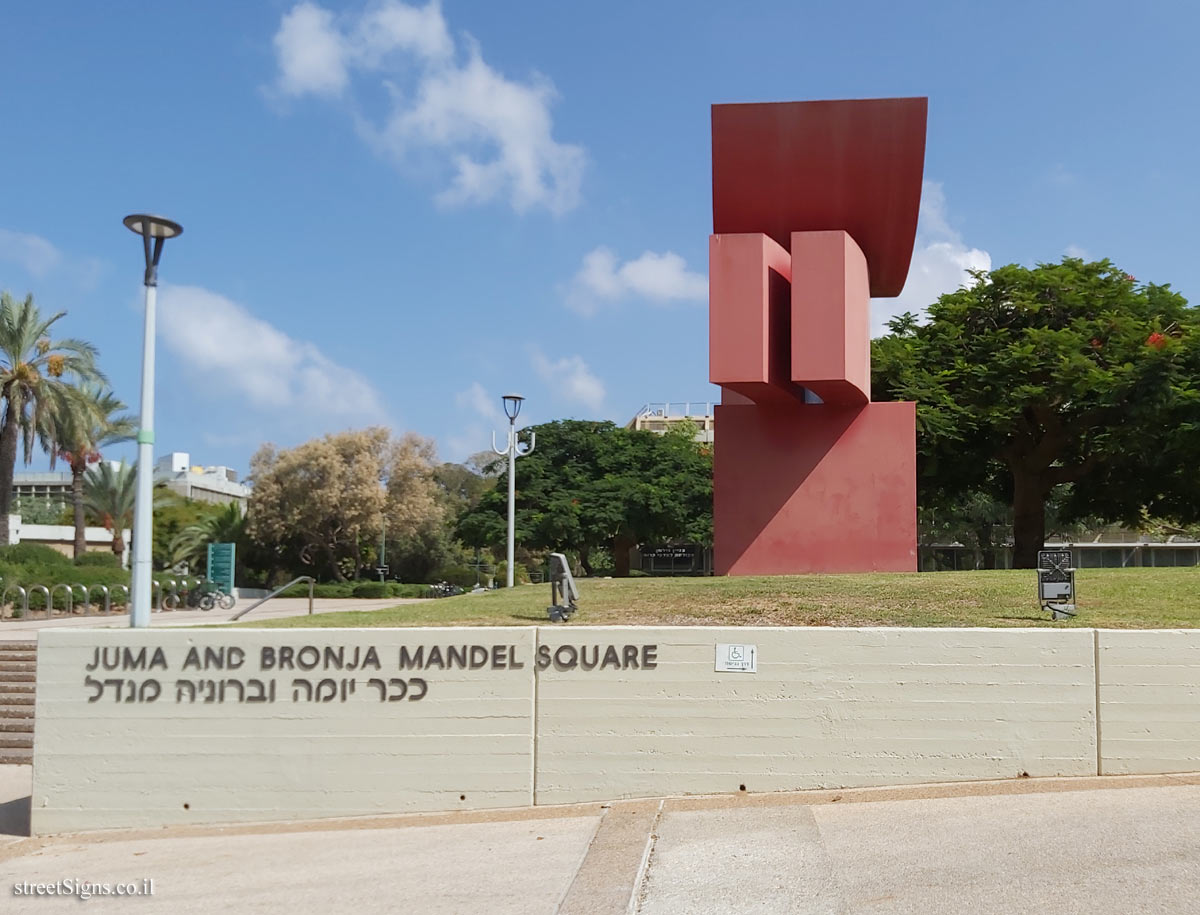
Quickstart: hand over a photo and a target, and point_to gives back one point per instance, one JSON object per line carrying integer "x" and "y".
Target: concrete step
{"x": 15, "y": 698}
{"x": 16, "y": 689}
{"x": 16, "y": 757}
{"x": 18, "y": 644}
{"x": 17, "y": 676}
{"x": 16, "y": 709}
{"x": 13, "y": 741}
{"x": 16, "y": 725}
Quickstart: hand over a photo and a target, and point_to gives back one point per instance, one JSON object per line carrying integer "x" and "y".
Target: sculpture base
{"x": 814, "y": 488}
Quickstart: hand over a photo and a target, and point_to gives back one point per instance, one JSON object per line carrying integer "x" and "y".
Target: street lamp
{"x": 158, "y": 229}
{"x": 512, "y": 406}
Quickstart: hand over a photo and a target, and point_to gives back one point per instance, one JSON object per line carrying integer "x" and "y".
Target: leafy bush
{"x": 520, "y": 574}
{"x": 371, "y": 589}
{"x": 32, "y": 554}
{"x": 459, "y": 575}
{"x": 103, "y": 558}
{"x": 326, "y": 590}
{"x": 395, "y": 589}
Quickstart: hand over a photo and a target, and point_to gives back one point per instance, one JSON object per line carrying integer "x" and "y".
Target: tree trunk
{"x": 77, "y": 504}
{"x": 987, "y": 549}
{"x": 584, "y": 562}
{"x": 1029, "y": 518}
{"x": 118, "y": 544}
{"x": 621, "y": 546}
{"x": 8, "y": 466}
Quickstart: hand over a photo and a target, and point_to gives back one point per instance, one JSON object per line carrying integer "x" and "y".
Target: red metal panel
{"x": 749, "y": 315}
{"x": 814, "y": 488}
{"x": 831, "y": 324}
{"x": 854, "y": 165}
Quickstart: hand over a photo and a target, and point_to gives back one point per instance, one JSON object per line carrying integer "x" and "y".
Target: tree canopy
{"x": 328, "y": 499}
{"x": 592, "y": 485}
{"x": 1069, "y": 373}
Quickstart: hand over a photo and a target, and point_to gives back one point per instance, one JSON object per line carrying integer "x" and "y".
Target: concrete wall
{"x": 467, "y": 743}
{"x": 827, "y": 708}
{"x": 1149, "y": 694}
{"x": 563, "y": 714}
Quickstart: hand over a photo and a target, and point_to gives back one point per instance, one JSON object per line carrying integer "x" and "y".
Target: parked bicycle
{"x": 444, "y": 589}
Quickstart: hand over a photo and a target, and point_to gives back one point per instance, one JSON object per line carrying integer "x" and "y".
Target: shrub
{"x": 325, "y": 590}
{"x": 395, "y": 589}
{"x": 520, "y": 574}
{"x": 638, "y": 573}
{"x": 103, "y": 558}
{"x": 371, "y": 589}
{"x": 32, "y": 554}
{"x": 456, "y": 575}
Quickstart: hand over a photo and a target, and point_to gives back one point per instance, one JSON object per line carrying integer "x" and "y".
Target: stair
{"x": 18, "y": 675}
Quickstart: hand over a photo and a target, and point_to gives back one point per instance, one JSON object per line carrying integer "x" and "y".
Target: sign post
{"x": 1056, "y": 583}
{"x": 221, "y": 561}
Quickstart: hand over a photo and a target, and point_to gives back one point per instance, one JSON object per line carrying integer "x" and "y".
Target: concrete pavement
{"x": 1094, "y": 846}
{"x": 272, "y": 609}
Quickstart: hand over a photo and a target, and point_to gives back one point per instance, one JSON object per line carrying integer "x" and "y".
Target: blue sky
{"x": 394, "y": 213}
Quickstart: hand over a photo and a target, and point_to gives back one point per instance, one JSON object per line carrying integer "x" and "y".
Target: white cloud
{"x": 939, "y": 264}
{"x": 480, "y": 401}
{"x": 569, "y": 378}
{"x": 659, "y": 278}
{"x": 495, "y": 133}
{"x": 1077, "y": 251}
{"x": 31, "y": 253}
{"x": 233, "y": 351}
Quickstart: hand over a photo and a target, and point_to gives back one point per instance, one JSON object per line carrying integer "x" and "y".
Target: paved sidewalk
{"x": 280, "y": 606}
{"x": 1107, "y": 846}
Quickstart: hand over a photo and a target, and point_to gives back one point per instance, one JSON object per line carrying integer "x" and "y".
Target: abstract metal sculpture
{"x": 814, "y": 212}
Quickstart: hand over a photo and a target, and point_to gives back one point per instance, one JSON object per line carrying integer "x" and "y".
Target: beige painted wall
{"x": 1149, "y": 688}
{"x": 827, "y": 708}
{"x": 103, "y": 764}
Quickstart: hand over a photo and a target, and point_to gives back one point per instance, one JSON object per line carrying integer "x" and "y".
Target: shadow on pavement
{"x": 14, "y": 817}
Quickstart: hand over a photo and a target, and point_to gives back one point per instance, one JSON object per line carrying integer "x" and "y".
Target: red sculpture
{"x": 814, "y": 211}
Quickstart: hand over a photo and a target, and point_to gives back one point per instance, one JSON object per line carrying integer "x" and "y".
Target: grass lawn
{"x": 1108, "y": 598}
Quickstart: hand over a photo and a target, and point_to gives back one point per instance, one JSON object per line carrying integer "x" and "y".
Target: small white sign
{"x": 737, "y": 659}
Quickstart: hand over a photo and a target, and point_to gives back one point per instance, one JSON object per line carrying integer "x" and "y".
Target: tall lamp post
{"x": 512, "y": 406}
{"x": 154, "y": 229}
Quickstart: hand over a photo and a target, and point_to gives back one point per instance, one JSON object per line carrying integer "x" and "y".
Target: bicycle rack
{"x": 156, "y": 596}
{"x": 24, "y": 600}
{"x": 107, "y": 597}
{"x": 87, "y": 597}
{"x": 124, "y": 588}
{"x": 46, "y": 593}
{"x": 69, "y": 608}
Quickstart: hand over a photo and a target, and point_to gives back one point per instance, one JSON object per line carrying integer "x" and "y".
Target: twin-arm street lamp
{"x": 158, "y": 230}
{"x": 512, "y": 406}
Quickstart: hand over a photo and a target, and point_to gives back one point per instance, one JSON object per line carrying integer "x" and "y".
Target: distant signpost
{"x": 221, "y": 559}
{"x": 1056, "y": 582}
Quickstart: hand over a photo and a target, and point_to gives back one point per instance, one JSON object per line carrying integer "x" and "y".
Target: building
{"x": 61, "y": 537}
{"x": 659, "y": 417}
{"x": 204, "y": 484}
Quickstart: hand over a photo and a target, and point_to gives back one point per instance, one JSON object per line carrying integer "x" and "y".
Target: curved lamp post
{"x": 512, "y": 406}
{"x": 154, "y": 229}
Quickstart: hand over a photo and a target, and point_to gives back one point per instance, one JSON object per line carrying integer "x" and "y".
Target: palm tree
{"x": 32, "y": 368}
{"x": 84, "y": 420}
{"x": 191, "y": 543}
{"x": 108, "y": 499}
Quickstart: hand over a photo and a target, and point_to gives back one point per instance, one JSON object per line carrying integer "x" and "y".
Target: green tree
{"x": 81, "y": 422}
{"x": 226, "y": 525}
{"x": 108, "y": 499}
{"x": 323, "y": 504}
{"x": 34, "y": 371}
{"x": 1069, "y": 373}
{"x": 593, "y": 484}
